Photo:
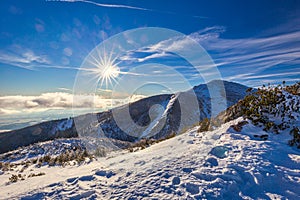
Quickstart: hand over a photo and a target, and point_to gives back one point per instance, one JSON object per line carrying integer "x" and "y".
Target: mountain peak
{"x": 153, "y": 117}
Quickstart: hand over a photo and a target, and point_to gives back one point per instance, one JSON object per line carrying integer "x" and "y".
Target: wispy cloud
{"x": 165, "y": 48}
{"x": 64, "y": 89}
{"x": 24, "y": 59}
{"x": 109, "y": 5}
{"x": 253, "y": 76}
{"x": 255, "y": 58}
{"x": 103, "y": 4}
{"x": 240, "y": 59}
{"x": 261, "y": 53}
{"x": 28, "y": 59}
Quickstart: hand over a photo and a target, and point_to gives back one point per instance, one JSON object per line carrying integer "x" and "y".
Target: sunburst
{"x": 105, "y": 68}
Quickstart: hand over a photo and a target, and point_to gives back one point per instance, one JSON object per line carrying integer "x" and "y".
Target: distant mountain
{"x": 154, "y": 117}
{"x": 245, "y": 158}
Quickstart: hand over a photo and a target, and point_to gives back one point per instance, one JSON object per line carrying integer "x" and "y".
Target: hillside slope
{"x": 219, "y": 164}
{"x": 274, "y": 109}
{"x": 156, "y": 117}
{"x": 255, "y": 156}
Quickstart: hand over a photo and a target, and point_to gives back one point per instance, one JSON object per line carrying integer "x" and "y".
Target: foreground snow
{"x": 221, "y": 164}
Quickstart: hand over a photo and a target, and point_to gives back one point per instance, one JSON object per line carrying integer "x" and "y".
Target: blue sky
{"x": 43, "y": 43}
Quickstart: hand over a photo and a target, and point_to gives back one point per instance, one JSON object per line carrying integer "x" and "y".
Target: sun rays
{"x": 104, "y": 68}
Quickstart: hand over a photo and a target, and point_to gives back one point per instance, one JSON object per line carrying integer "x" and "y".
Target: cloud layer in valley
{"x": 59, "y": 100}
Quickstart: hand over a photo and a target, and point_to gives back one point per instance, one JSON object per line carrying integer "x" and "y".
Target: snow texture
{"x": 220, "y": 164}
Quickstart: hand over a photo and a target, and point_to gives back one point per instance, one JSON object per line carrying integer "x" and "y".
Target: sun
{"x": 110, "y": 71}
{"x": 105, "y": 68}
{"x": 107, "y": 72}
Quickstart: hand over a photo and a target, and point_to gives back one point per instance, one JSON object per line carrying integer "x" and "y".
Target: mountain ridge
{"x": 159, "y": 109}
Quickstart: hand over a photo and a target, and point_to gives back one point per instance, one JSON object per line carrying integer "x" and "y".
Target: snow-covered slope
{"x": 249, "y": 157}
{"x": 219, "y": 164}
{"x": 275, "y": 109}
{"x": 44, "y": 131}
{"x": 156, "y": 116}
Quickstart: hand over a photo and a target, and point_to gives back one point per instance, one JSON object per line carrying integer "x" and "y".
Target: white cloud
{"x": 248, "y": 52}
{"x": 103, "y": 4}
{"x": 136, "y": 97}
{"x": 175, "y": 44}
{"x": 65, "y": 89}
{"x": 23, "y": 58}
{"x": 59, "y": 100}
{"x": 8, "y": 111}
{"x": 243, "y": 58}
{"x": 258, "y": 53}
{"x": 68, "y": 51}
{"x": 28, "y": 59}
{"x": 252, "y": 76}
{"x": 155, "y": 55}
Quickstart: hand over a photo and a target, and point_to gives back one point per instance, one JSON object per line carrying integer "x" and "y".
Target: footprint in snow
{"x": 104, "y": 173}
{"x": 187, "y": 170}
{"x": 190, "y": 142}
{"x": 219, "y": 151}
{"x": 192, "y": 188}
{"x": 142, "y": 162}
{"x": 55, "y": 184}
{"x": 87, "y": 178}
{"x": 72, "y": 181}
{"x": 211, "y": 162}
{"x": 176, "y": 180}
{"x": 205, "y": 177}
{"x": 88, "y": 194}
